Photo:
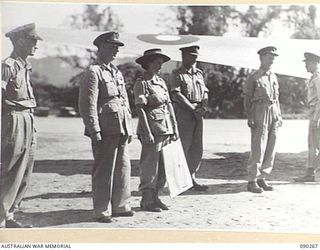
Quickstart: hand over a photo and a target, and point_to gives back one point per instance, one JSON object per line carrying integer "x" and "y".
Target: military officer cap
{"x": 151, "y": 53}
{"x": 311, "y": 57}
{"x": 25, "y": 31}
{"x": 192, "y": 50}
{"x": 108, "y": 37}
{"x": 268, "y": 50}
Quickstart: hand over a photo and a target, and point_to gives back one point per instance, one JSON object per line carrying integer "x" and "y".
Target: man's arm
{"x": 247, "y": 102}
{"x": 88, "y": 99}
{"x": 177, "y": 96}
{"x": 316, "y": 117}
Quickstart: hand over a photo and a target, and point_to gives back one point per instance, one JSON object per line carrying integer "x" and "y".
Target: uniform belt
{"x": 151, "y": 107}
{"x": 18, "y": 109}
{"x": 267, "y": 101}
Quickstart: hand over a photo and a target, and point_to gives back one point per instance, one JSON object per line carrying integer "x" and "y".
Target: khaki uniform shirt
{"x": 16, "y": 87}
{"x": 314, "y": 96}
{"x": 103, "y": 100}
{"x": 189, "y": 82}
{"x": 262, "y": 86}
{"x": 155, "y": 96}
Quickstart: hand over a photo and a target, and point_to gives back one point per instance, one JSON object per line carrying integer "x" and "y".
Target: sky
{"x": 55, "y": 15}
{"x": 134, "y": 17}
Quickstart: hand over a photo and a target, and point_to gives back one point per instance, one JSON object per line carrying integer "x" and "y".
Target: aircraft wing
{"x": 231, "y": 51}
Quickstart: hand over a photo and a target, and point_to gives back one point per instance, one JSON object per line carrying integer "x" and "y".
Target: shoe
{"x": 262, "y": 183}
{"x": 161, "y": 205}
{"x": 198, "y": 187}
{"x": 254, "y": 188}
{"x": 16, "y": 224}
{"x": 305, "y": 178}
{"x": 151, "y": 207}
{"x": 105, "y": 219}
{"x": 129, "y": 213}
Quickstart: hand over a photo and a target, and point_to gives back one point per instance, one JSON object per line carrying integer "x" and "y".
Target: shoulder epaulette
{"x": 9, "y": 61}
{"x": 256, "y": 74}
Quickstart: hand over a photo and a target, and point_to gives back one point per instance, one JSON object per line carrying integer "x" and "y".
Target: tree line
{"x": 224, "y": 82}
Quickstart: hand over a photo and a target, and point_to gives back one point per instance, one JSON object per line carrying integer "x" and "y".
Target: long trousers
{"x": 111, "y": 175}
{"x": 18, "y": 144}
{"x": 191, "y": 135}
{"x": 263, "y": 141}
{"x": 313, "y": 146}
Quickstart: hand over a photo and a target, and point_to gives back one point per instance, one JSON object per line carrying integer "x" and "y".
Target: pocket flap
{"x": 110, "y": 108}
{"x": 158, "y": 115}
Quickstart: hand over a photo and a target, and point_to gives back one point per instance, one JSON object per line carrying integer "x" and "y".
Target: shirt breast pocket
{"x": 261, "y": 89}
{"x": 110, "y": 88}
{"x": 186, "y": 87}
{"x": 18, "y": 80}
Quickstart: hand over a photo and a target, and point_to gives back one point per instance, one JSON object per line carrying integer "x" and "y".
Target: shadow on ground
{"x": 226, "y": 166}
{"x": 48, "y": 196}
{"x": 56, "y": 218}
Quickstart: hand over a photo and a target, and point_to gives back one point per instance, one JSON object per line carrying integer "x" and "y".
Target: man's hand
{"x": 96, "y": 137}
{"x": 199, "y": 112}
{"x": 252, "y": 123}
{"x": 279, "y": 122}
{"x": 175, "y": 135}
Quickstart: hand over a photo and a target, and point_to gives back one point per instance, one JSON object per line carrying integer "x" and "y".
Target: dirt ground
{"x": 60, "y": 192}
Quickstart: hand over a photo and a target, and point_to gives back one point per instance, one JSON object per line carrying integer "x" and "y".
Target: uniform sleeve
{"x": 6, "y": 74}
{"x": 317, "y": 112}
{"x": 88, "y": 99}
{"x": 249, "y": 86}
{"x": 205, "y": 89}
{"x": 174, "y": 82}
{"x": 140, "y": 95}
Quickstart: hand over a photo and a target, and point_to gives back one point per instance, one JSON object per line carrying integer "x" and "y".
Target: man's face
{"x": 267, "y": 61}
{"x": 188, "y": 60}
{"x": 311, "y": 66}
{"x": 109, "y": 50}
{"x": 28, "y": 45}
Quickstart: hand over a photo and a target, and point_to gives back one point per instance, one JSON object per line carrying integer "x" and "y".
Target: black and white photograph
{"x": 160, "y": 117}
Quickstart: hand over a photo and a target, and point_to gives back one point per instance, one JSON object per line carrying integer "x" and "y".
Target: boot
{"x": 158, "y": 202}
{"x": 308, "y": 177}
{"x": 197, "y": 187}
{"x": 253, "y": 187}
{"x": 262, "y": 183}
{"x": 12, "y": 223}
{"x": 147, "y": 203}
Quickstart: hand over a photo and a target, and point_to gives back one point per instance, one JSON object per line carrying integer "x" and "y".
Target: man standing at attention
{"x": 190, "y": 96}
{"x": 312, "y": 62}
{"x": 104, "y": 107}
{"x": 261, "y": 102}
{"x": 18, "y": 134}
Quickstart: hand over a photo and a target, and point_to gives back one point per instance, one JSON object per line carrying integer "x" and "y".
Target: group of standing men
{"x": 104, "y": 107}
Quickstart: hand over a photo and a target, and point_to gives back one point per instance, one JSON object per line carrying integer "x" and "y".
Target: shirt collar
{"x": 263, "y": 72}
{"x": 110, "y": 67}
{"x": 191, "y": 71}
{"x": 21, "y": 62}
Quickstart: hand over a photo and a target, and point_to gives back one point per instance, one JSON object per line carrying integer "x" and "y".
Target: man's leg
{"x": 121, "y": 191}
